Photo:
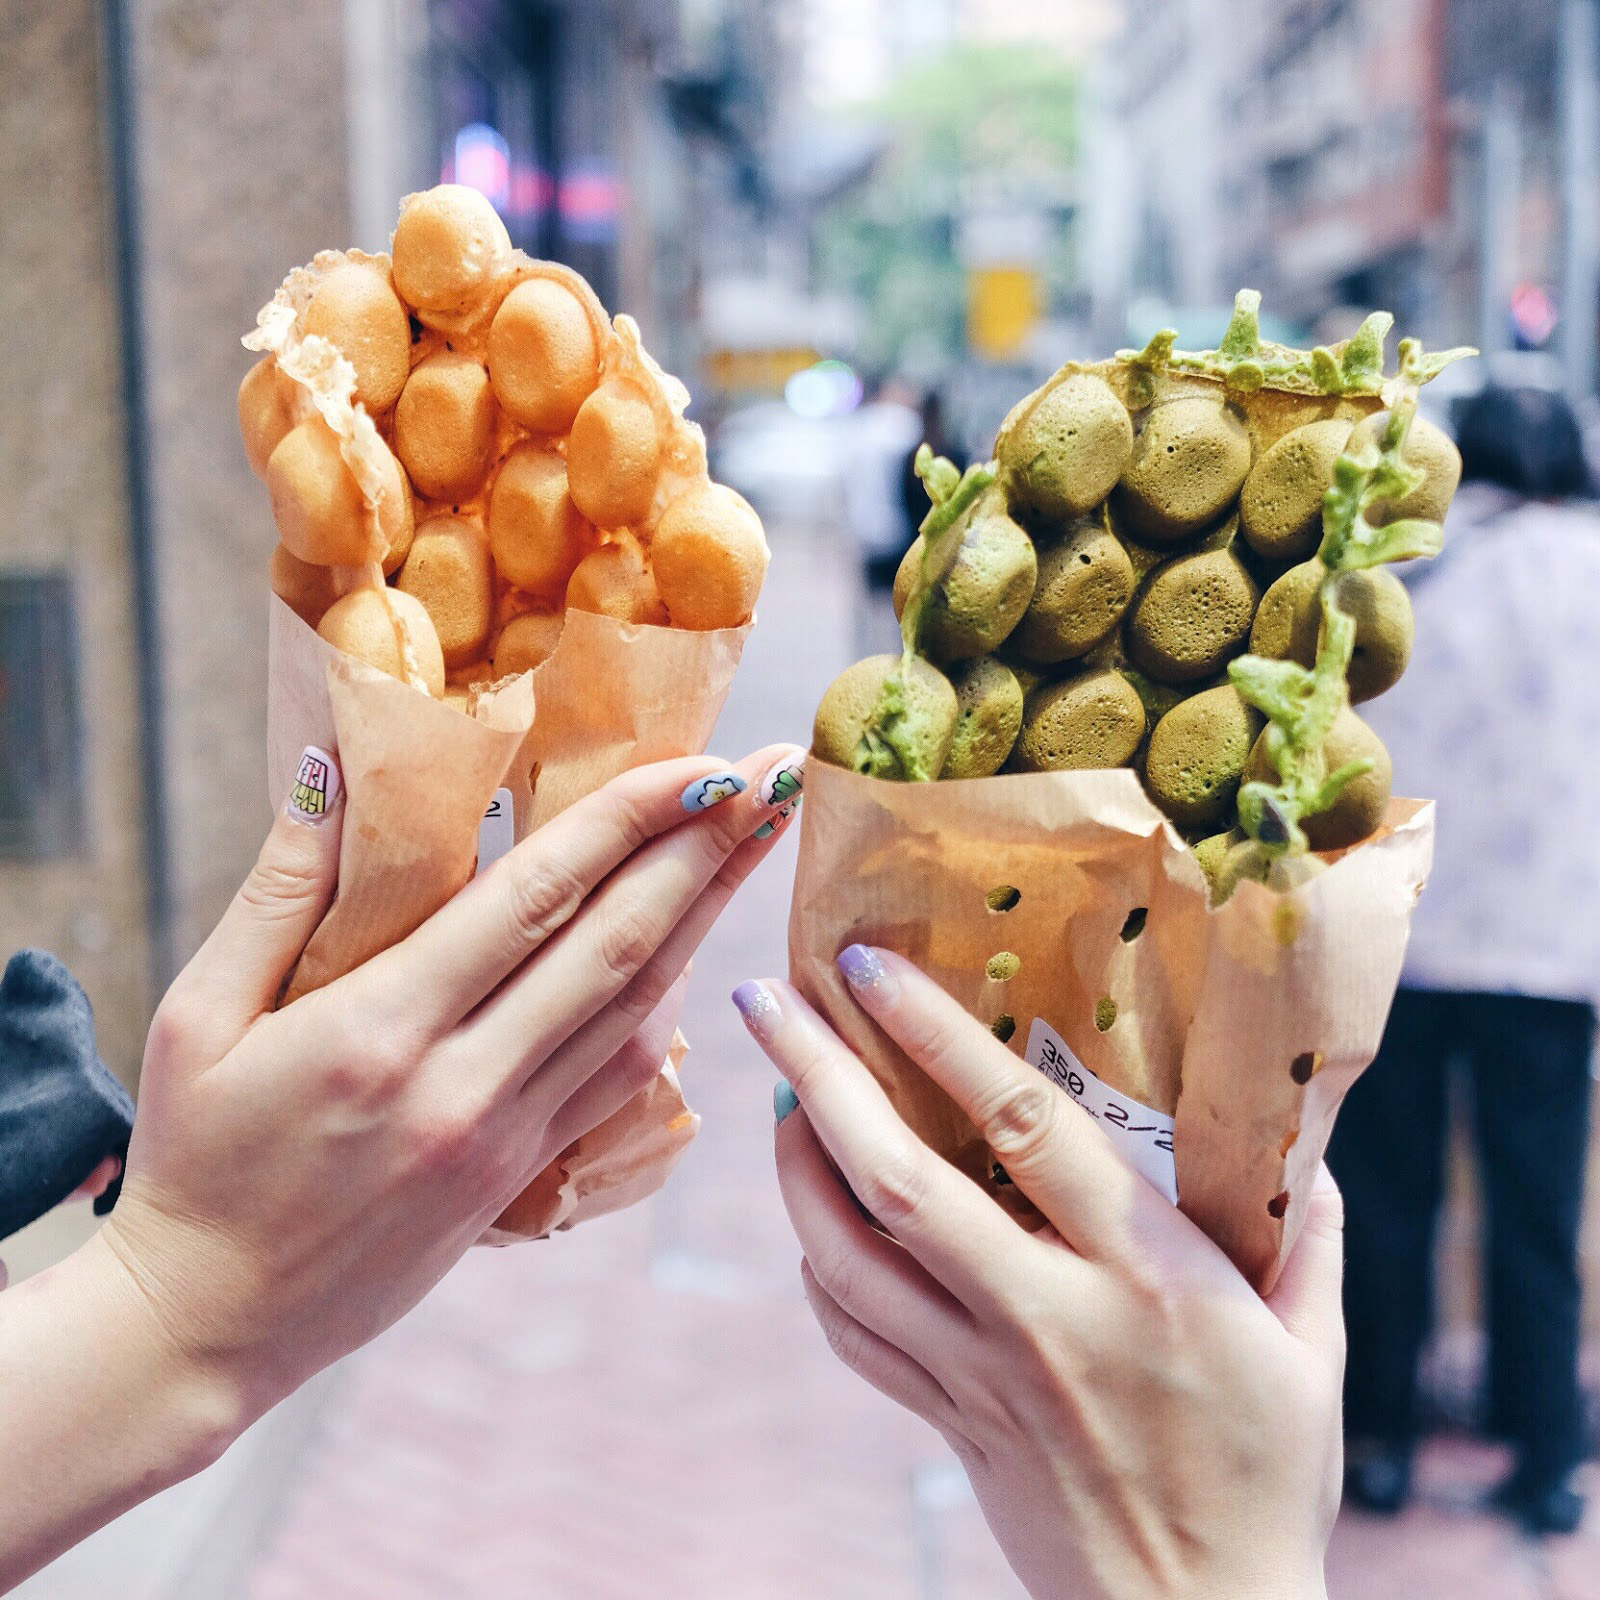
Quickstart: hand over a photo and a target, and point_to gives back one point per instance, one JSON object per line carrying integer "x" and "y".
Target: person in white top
{"x": 1494, "y": 717}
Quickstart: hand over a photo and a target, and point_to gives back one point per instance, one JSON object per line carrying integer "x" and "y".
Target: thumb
{"x": 239, "y": 971}
{"x": 1307, "y": 1297}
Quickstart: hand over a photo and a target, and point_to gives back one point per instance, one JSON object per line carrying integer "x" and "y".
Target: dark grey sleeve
{"x": 62, "y": 1111}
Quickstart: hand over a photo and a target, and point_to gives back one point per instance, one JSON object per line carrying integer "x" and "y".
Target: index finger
{"x": 935, "y": 1211}
{"x": 1049, "y": 1147}
{"x": 471, "y": 945}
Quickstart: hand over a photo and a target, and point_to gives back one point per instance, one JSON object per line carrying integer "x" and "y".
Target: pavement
{"x": 645, "y": 1406}
{"x": 1443, "y": 1546}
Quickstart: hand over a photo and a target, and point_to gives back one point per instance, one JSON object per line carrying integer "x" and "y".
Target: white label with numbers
{"x": 497, "y": 832}
{"x": 1141, "y": 1136}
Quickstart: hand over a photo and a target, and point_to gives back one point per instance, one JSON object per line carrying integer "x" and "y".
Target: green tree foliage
{"x": 979, "y": 123}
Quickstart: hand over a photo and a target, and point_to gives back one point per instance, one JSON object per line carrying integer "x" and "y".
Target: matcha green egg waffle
{"x": 1177, "y": 560}
{"x": 1116, "y": 795}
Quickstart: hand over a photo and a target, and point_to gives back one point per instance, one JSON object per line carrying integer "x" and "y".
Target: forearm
{"x": 98, "y": 1411}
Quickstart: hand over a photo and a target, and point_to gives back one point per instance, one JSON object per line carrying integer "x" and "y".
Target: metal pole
{"x": 121, "y": 137}
{"x": 1502, "y": 172}
{"x": 1580, "y": 129}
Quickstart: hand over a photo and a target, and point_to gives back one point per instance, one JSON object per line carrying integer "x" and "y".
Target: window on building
{"x": 41, "y": 788}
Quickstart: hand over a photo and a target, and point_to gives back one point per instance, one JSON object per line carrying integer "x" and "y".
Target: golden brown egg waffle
{"x": 487, "y": 491}
{"x": 466, "y": 426}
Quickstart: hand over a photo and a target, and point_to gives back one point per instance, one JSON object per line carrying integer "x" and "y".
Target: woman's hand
{"x": 1134, "y": 1419}
{"x": 299, "y": 1178}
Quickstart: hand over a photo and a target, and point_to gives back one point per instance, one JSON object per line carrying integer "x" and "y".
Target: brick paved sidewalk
{"x": 645, "y": 1408}
{"x": 1444, "y": 1547}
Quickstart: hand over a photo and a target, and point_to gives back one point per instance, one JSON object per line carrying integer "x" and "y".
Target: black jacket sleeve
{"x": 62, "y": 1111}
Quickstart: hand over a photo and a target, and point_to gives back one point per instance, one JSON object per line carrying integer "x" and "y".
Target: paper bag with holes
{"x": 1063, "y": 911}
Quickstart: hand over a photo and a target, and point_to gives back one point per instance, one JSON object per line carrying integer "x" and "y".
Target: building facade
{"x": 1339, "y": 155}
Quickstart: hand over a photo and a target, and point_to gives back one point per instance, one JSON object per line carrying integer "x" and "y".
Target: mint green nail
{"x": 783, "y": 1099}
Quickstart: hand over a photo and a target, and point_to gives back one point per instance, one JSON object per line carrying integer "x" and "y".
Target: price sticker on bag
{"x": 1142, "y": 1137}
{"x": 497, "y": 832}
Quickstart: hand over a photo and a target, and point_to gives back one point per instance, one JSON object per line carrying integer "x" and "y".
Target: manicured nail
{"x": 783, "y": 1099}
{"x": 757, "y": 1004}
{"x": 773, "y": 824}
{"x": 861, "y": 967}
{"x": 704, "y": 793}
{"x": 784, "y": 782}
{"x": 316, "y": 787}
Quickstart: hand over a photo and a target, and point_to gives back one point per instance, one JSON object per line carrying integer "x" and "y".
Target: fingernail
{"x": 783, "y": 1099}
{"x": 861, "y": 967}
{"x": 773, "y": 824}
{"x": 784, "y": 782}
{"x": 757, "y": 1004}
{"x": 704, "y": 793}
{"x": 316, "y": 787}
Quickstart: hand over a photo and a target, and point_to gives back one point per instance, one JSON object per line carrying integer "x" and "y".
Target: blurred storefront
{"x": 162, "y": 166}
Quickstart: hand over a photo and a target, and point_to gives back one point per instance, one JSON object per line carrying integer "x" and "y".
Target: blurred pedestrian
{"x": 1497, "y": 711}
{"x": 884, "y": 433}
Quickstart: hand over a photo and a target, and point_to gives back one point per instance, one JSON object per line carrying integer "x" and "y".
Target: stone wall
{"x": 62, "y": 494}
{"x": 240, "y": 116}
{"x": 241, "y": 113}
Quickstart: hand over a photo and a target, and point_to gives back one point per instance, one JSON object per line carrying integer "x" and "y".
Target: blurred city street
{"x": 849, "y": 226}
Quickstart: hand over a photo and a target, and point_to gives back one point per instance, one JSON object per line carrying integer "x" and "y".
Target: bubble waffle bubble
{"x": 460, "y": 434}
{"x": 390, "y": 631}
{"x": 1146, "y": 521}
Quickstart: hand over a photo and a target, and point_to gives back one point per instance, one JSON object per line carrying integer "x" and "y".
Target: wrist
{"x": 196, "y": 1404}
{"x": 1269, "y": 1577}
{"x": 101, "y": 1402}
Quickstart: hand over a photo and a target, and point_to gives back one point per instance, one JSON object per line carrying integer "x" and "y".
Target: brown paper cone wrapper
{"x": 1247, "y": 1023}
{"x": 420, "y": 774}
